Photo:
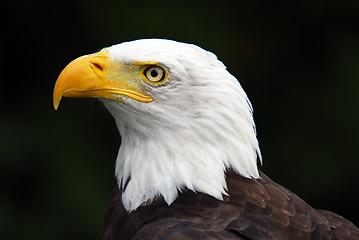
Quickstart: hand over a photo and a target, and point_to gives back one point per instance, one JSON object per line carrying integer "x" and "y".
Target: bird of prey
{"x": 187, "y": 164}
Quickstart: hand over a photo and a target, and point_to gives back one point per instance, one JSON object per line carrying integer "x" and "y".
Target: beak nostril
{"x": 98, "y": 66}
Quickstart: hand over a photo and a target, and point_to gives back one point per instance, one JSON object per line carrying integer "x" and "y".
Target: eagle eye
{"x": 155, "y": 74}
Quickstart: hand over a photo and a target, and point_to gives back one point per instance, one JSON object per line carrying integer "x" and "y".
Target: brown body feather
{"x": 255, "y": 209}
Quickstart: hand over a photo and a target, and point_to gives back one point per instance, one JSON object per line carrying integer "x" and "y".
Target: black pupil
{"x": 154, "y": 73}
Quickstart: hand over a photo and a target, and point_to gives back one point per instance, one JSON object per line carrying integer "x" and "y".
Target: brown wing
{"x": 273, "y": 212}
{"x": 254, "y": 209}
{"x": 160, "y": 221}
{"x": 341, "y": 227}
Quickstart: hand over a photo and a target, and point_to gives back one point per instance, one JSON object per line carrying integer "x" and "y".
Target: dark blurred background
{"x": 297, "y": 60}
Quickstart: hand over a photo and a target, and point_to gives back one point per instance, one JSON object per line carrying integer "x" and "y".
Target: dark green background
{"x": 297, "y": 60}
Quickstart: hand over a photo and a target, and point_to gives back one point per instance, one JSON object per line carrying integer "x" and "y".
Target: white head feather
{"x": 199, "y": 125}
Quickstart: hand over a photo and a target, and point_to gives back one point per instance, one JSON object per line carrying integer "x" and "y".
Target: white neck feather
{"x": 159, "y": 159}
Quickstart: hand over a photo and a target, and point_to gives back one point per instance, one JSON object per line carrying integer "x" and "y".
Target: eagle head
{"x": 183, "y": 118}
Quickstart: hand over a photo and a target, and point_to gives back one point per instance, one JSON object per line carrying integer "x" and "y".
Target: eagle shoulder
{"x": 253, "y": 209}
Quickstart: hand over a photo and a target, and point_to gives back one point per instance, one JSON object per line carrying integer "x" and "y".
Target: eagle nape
{"x": 187, "y": 164}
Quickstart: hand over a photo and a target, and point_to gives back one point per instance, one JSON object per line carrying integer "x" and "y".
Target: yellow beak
{"x": 87, "y": 77}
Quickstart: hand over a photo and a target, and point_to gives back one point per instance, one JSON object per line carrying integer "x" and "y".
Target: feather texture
{"x": 254, "y": 209}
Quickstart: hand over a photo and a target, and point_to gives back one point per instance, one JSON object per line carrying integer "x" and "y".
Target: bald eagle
{"x": 187, "y": 164}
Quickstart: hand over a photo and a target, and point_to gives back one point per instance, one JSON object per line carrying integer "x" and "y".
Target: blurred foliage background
{"x": 297, "y": 60}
